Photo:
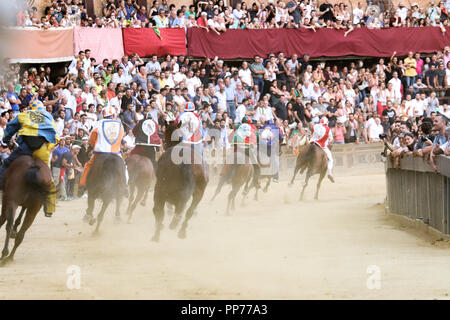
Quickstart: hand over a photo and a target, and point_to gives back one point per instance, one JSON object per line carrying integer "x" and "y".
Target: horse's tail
{"x": 306, "y": 159}
{"x": 36, "y": 188}
{"x": 110, "y": 166}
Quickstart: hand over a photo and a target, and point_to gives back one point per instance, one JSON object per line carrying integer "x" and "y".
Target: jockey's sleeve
{"x": 93, "y": 137}
{"x": 11, "y": 129}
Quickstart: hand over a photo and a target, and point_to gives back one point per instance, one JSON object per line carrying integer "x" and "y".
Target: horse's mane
{"x": 307, "y": 159}
{"x": 170, "y": 141}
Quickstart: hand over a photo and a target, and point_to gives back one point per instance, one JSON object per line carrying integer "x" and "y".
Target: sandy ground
{"x": 276, "y": 248}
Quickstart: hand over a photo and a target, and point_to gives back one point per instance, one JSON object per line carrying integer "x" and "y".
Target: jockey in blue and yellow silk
{"x": 37, "y": 137}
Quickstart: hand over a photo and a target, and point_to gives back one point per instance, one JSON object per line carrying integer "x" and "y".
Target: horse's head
{"x": 171, "y": 135}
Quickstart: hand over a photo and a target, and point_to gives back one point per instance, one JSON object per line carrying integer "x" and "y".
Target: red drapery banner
{"x": 324, "y": 42}
{"x": 145, "y": 42}
{"x": 28, "y": 45}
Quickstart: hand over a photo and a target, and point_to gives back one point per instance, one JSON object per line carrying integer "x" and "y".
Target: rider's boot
{"x": 330, "y": 176}
{"x": 50, "y": 202}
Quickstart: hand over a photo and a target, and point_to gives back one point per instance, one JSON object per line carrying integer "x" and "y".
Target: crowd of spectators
{"x": 389, "y": 100}
{"x": 218, "y": 16}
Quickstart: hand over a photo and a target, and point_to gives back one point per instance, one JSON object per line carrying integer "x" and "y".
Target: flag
{"x": 158, "y": 33}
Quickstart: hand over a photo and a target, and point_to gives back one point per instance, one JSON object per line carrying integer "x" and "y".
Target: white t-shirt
{"x": 315, "y": 115}
{"x": 358, "y": 15}
{"x": 418, "y": 107}
{"x": 240, "y": 113}
{"x": 396, "y": 85}
{"x": 179, "y": 100}
{"x": 402, "y": 12}
{"x": 350, "y": 95}
{"x": 222, "y": 101}
{"x": 246, "y": 76}
{"x": 120, "y": 79}
{"x": 179, "y": 77}
{"x": 71, "y": 101}
{"x": 375, "y": 130}
{"x": 115, "y": 103}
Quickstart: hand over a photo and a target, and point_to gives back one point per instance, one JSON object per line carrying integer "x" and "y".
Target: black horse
{"x": 176, "y": 183}
{"x": 105, "y": 181}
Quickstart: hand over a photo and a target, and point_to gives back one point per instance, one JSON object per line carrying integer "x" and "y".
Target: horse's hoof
{"x": 92, "y": 221}
{"x": 173, "y": 225}
{"x": 117, "y": 220}
{"x": 155, "y": 239}
{"x": 143, "y": 203}
{"x": 290, "y": 184}
{"x": 182, "y": 234}
{"x": 87, "y": 218}
{"x": 4, "y": 262}
{"x": 96, "y": 233}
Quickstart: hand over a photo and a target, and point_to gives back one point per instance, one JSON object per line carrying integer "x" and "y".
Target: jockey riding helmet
{"x": 189, "y": 107}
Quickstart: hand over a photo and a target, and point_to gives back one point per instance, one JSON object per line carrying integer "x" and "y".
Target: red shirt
{"x": 201, "y": 22}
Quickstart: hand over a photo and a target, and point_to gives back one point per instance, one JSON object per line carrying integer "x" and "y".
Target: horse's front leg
{"x": 8, "y": 211}
{"x": 17, "y": 223}
{"x": 158, "y": 211}
{"x": 118, "y": 203}
{"x": 88, "y": 217}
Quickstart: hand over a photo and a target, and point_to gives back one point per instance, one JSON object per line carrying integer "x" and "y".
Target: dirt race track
{"x": 276, "y": 248}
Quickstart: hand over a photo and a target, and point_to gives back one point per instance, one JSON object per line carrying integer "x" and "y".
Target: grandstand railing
{"x": 416, "y": 192}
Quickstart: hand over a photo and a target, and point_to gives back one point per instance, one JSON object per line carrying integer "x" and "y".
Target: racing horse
{"x": 249, "y": 186}
{"x": 237, "y": 174}
{"x": 27, "y": 183}
{"x": 178, "y": 181}
{"x": 105, "y": 181}
{"x": 140, "y": 172}
{"x": 313, "y": 159}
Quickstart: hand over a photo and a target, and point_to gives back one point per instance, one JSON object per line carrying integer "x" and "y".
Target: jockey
{"x": 106, "y": 137}
{"x": 271, "y": 137}
{"x": 36, "y": 137}
{"x": 147, "y": 138}
{"x": 245, "y": 138}
{"x": 322, "y": 136}
{"x": 190, "y": 125}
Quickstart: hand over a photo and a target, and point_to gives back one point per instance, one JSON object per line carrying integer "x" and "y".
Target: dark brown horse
{"x": 27, "y": 183}
{"x": 140, "y": 172}
{"x": 313, "y": 159}
{"x": 105, "y": 181}
{"x": 237, "y": 174}
{"x": 178, "y": 181}
{"x": 248, "y": 185}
